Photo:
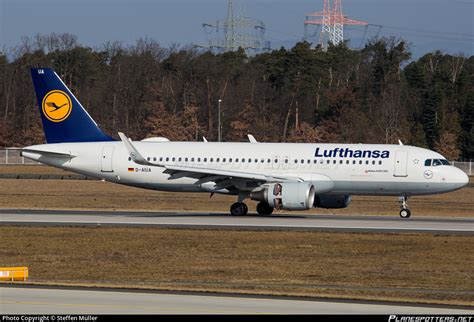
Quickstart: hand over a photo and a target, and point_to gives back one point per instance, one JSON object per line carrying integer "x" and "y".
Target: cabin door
{"x": 401, "y": 163}
{"x": 106, "y": 161}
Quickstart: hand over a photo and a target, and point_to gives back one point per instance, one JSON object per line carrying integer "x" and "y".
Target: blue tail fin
{"x": 64, "y": 118}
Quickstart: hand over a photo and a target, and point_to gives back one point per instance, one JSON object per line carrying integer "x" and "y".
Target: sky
{"x": 427, "y": 25}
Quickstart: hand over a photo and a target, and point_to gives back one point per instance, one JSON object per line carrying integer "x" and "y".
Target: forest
{"x": 375, "y": 94}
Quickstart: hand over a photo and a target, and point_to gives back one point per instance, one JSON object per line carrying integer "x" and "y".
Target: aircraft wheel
{"x": 264, "y": 208}
{"x": 405, "y": 213}
{"x": 238, "y": 209}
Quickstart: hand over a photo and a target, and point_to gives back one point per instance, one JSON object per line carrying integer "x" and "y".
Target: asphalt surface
{"x": 21, "y": 300}
{"x": 249, "y": 222}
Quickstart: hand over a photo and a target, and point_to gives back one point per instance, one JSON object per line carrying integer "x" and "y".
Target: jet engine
{"x": 332, "y": 202}
{"x": 286, "y": 195}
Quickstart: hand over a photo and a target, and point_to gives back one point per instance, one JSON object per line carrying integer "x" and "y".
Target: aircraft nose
{"x": 461, "y": 178}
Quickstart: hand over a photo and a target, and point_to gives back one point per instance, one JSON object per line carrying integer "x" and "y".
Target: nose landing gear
{"x": 404, "y": 211}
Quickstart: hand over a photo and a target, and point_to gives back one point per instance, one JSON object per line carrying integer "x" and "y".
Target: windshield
{"x": 436, "y": 162}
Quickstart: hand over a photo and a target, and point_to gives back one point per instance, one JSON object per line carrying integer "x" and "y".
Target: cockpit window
{"x": 436, "y": 162}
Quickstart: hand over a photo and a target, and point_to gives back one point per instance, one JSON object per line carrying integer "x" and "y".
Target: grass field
{"x": 397, "y": 267}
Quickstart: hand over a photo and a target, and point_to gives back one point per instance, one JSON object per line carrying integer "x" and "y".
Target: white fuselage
{"x": 333, "y": 168}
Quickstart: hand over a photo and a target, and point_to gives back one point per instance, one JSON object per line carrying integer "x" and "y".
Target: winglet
{"x": 204, "y": 139}
{"x": 252, "y": 138}
{"x": 400, "y": 142}
{"x": 132, "y": 150}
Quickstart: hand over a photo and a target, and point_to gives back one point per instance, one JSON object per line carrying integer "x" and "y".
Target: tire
{"x": 238, "y": 209}
{"x": 264, "y": 208}
{"x": 405, "y": 213}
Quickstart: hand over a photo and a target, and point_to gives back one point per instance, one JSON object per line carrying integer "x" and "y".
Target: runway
{"x": 26, "y": 300}
{"x": 249, "y": 222}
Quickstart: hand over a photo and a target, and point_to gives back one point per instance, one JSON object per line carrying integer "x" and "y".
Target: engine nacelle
{"x": 332, "y": 202}
{"x": 287, "y": 195}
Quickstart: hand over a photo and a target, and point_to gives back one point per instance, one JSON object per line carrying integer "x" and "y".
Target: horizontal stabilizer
{"x": 48, "y": 153}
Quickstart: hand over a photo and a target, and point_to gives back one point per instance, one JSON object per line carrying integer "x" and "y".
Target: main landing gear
{"x": 238, "y": 209}
{"x": 264, "y": 208}
{"x": 404, "y": 211}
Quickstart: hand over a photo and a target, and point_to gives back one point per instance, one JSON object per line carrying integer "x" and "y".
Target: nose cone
{"x": 465, "y": 179}
{"x": 461, "y": 178}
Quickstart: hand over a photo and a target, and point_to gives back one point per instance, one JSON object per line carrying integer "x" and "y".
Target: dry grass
{"x": 407, "y": 267}
{"x": 31, "y": 169}
{"x": 78, "y": 194}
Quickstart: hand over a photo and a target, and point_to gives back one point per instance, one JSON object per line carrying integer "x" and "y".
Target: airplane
{"x": 282, "y": 176}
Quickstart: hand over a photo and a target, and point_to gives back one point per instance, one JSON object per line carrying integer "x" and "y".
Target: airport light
{"x": 219, "y": 121}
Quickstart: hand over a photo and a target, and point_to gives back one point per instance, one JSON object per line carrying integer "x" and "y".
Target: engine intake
{"x": 287, "y": 195}
{"x": 332, "y": 202}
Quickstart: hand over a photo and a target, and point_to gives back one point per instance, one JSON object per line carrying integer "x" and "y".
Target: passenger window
{"x": 373, "y": 162}
{"x": 179, "y": 159}
{"x": 354, "y": 162}
{"x": 205, "y": 159}
{"x": 173, "y": 159}
{"x": 315, "y": 161}
{"x": 129, "y": 159}
{"x": 380, "y": 162}
{"x": 167, "y": 159}
{"x": 427, "y": 162}
{"x": 340, "y": 161}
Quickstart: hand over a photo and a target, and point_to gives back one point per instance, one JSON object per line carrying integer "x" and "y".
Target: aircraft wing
{"x": 204, "y": 174}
